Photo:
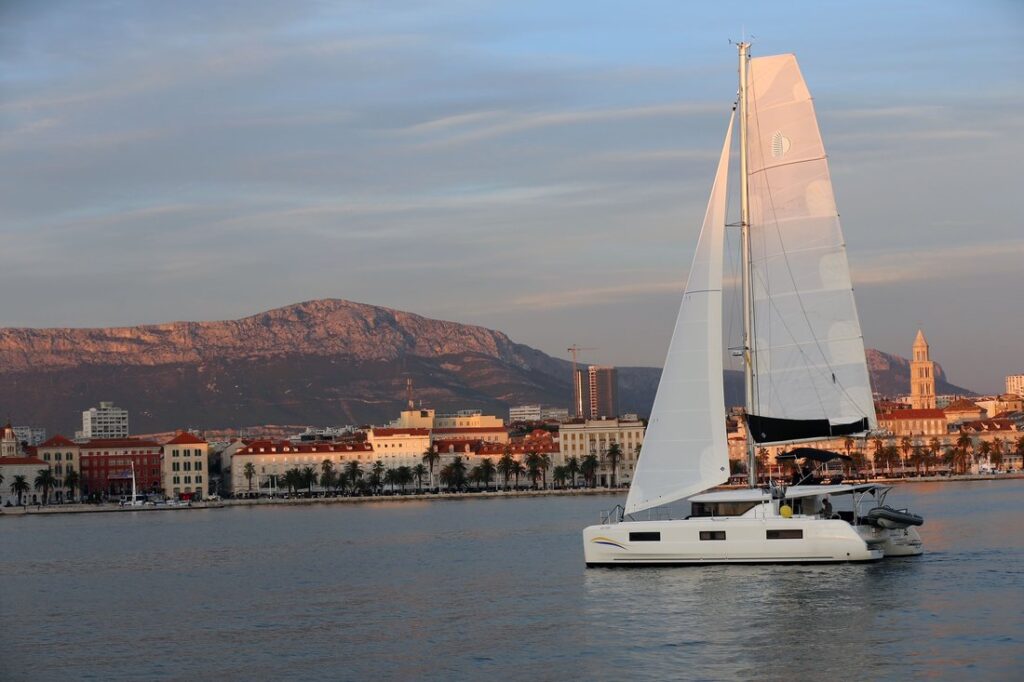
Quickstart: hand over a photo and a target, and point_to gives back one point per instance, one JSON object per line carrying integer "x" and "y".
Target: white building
{"x": 30, "y": 435}
{"x": 104, "y": 422}
{"x": 1015, "y": 384}
{"x": 533, "y": 413}
{"x": 524, "y": 413}
{"x": 581, "y": 438}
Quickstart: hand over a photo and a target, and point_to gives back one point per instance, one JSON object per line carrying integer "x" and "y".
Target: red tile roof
{"x": 58, "y": 441}
{"x": 962, "y": 405}
{"x": 21, "y": 460}
{"x": 983, "y": 425}
{"x": 119, "y": 443}
{"x": 185, "y": 438}
{"x": 912, "y": 414}
{"x": 284, "y": 447}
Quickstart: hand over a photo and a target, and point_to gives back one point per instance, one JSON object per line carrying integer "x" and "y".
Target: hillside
{"x": 319, "y": 362}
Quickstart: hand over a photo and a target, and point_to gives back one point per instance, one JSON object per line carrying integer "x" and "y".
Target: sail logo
{"x": 780, "y": 144}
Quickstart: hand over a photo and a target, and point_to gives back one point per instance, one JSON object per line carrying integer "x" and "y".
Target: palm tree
{"x": 877, "y": 446}
{"x": 906, "y": 445}
{"x": 377, "y": 476}
{"x": 545, "y": 464}
{"x": 453, "y": 475}
{"x": 613, "y": 454}
{"x": 949, "y": 458}
{"x": 487, "y": 471}
{"x": 249, "y": 470}
{"x": 887, "y": 457}
{"x": 354, "y": 473}
{"x": 997, "y": 453}
{"x": 984, "y": 451}
{"x": 326, "y": 474}
{"x": 572, "y": 469}
{"x": 293, "y": 480}
{"x": 518, "y": 469}
{"x": 419, "y": 471}
{"x": 20, "y": 487}
{"x": 308, "y": 479}
{"x": 403, "y": 475}
{"x": 390, "y": 478}
{"x": 917, "y": 458}
{"x": 71, "y": 481}
{"x": 533, "y": 466}
{"x": 966, "y": 445}
{"x": 589, "y": 467}
{"x": 44, "y": 481}
{"x": 431, "y": 457}
{"x": 506, "y": 466}
{"x": 559, "y": 476}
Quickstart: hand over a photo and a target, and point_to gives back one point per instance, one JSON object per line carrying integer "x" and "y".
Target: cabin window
{"x": 712, "y": 535}
{"x": 645, "y": 537}
{"x": 722, "y": 508}
{"x": 788, "y": 534}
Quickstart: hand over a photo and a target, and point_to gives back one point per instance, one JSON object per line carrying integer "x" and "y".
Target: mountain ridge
{"x": 324, "y": 361}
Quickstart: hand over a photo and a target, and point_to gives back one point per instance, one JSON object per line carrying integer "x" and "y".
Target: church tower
{"x": 922, "y": 376}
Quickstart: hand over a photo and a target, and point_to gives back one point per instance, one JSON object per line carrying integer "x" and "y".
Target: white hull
{"x": 793, "y": 540}
{"x": 893, "y": 541}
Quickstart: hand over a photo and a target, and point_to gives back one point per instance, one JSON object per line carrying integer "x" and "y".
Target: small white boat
{"x": 806, "y": 377}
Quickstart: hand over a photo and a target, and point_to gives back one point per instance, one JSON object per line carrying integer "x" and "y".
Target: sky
{"x": 539, "y": 168}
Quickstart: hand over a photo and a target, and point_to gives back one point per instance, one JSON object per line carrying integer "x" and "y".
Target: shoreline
{"x": 420, "y": 497}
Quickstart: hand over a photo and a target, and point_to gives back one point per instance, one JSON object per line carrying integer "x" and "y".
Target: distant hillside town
{"x": 536, "y": 446}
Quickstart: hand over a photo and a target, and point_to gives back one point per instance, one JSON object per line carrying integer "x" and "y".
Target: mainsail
{"x": 810, "y": 374}
{"x": 685, "y": 449}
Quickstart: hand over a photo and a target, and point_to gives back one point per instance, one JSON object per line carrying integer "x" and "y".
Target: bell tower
{"x": 922, "y": 376}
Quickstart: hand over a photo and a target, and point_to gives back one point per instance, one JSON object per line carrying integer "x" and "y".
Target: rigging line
{"x": 803, "y": 310}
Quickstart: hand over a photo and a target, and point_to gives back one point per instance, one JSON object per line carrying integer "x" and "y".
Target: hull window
{"x": 712, "y": 535}
{"x": 645, "y": 537}
{"x": 788, "y": 534}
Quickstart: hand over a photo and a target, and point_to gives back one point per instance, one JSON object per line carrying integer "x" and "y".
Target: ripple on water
{"x": 494, "y": 588}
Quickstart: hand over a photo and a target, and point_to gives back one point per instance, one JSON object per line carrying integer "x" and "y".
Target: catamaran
{"x": 806, "y": 377}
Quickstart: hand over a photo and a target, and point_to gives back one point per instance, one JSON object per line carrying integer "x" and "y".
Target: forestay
{"x": 685, "y": 450}
{"x": 811, "y": 377}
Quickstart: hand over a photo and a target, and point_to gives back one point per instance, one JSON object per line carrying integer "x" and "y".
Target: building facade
{"x": 185, "y": 467}
{"x": 922, "y": 375}
{"x": 602, "y": 392}
{"x": 62, "y": 456}
{"x": 270, "y": 460}
{"x": 107, "y": 466}
{"x": 580, "y": 438}
{"x": 30, "y": 435}
{"x": 105, "y": 422}
{"x": 914, "y": 422}
{"x": 1015, "y": 384}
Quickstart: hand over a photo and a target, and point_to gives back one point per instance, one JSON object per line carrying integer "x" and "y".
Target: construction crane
{"x": 577, "y": 393}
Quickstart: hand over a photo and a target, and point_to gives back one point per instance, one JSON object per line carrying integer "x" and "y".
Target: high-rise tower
{"x": 922, "y": 376}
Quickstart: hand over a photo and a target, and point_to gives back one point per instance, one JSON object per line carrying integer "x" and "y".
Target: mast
{"x": 748, "y": 332}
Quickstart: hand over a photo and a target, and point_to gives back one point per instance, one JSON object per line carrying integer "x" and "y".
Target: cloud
{"x": 944, "y": 263}
{"x": 508, "y": 122}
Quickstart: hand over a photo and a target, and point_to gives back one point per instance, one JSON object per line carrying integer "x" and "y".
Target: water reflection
{"x": 485, "y": 588}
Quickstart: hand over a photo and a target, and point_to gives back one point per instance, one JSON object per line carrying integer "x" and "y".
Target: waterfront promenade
{"x": 415, "y": 497}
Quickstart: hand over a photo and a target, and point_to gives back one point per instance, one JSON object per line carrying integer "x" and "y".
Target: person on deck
{"x": 826, "y": 508}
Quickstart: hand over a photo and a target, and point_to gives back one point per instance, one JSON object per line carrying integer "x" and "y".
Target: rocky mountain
{"x": 890, "y": 375}
{"x": 319, "y": 362}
